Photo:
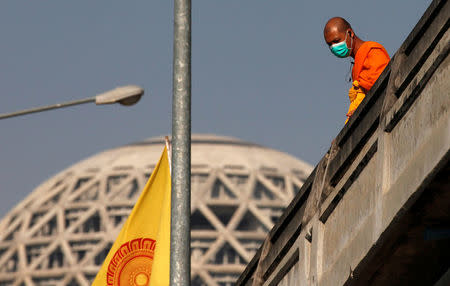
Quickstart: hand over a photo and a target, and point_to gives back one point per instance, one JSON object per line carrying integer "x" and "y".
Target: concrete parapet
{"x": 383, "y": 216}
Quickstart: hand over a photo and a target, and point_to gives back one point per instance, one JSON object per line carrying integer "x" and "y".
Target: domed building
{"x": 61, "y": 233}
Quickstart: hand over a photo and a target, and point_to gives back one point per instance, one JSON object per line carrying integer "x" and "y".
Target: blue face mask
{"x": 340, "y": 49}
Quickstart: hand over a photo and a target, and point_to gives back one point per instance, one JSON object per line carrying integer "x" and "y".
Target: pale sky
{"x": 261, "y": 72}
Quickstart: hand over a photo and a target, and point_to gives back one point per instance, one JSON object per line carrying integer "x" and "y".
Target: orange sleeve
{"x": 373, "y": 66}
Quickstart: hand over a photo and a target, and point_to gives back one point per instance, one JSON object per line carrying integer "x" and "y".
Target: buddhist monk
{"x": 370, "y": 58}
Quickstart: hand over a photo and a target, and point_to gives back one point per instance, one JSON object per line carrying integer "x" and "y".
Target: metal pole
{"x": 180, "y": 258}
{"x": 45, "y": 108}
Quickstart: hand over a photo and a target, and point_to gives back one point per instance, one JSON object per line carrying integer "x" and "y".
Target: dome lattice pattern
{"x": 61, "y": 233}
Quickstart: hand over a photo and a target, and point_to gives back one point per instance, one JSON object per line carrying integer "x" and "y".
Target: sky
{"x": 261, "y": 72}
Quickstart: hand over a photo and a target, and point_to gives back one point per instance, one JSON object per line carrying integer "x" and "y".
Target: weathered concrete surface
{"x": 384, "y": 216}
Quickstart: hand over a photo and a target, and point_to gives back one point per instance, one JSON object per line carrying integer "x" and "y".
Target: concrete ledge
{"x": 389, "y": 164}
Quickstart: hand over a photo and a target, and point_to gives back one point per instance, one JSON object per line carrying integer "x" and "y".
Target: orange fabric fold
{"x": 370, "y": 61}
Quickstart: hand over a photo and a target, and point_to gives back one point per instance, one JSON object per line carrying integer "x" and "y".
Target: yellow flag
{"x": 141, "y": 253}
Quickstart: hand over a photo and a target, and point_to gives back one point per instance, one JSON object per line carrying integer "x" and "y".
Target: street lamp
{"x": 124, "y": 95}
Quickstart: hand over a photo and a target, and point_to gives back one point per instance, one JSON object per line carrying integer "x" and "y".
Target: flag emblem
{"x": 132, "y": 263}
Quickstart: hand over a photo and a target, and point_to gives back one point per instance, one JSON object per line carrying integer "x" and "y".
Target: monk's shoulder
{"x": 376, "y": 49}
{"x": 377, "y": 56}
{"x": 372, "y": 44}
{"x": 364, "y": 51}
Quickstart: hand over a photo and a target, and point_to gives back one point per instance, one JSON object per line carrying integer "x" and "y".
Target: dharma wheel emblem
{"x": 132, "y": 263}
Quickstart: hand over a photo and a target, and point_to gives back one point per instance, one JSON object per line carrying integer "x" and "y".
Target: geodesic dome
{"x": 61, "y": 233}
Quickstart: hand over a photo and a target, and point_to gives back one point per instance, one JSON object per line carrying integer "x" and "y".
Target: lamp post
{"x": 124, "y": 95}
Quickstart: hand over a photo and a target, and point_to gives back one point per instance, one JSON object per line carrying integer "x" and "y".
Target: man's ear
{"x": 351, "y": 33}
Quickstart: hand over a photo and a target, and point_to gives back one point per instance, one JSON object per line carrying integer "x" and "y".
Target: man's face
{"x": 333, "y": 36}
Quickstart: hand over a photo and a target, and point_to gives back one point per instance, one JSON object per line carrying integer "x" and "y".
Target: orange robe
{"x": 370, "y": 61}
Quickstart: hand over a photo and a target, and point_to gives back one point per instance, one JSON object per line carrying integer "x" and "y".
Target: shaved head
{"x": 336, "y": 23}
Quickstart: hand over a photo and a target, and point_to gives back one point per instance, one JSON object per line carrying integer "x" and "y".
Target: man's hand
{"x": 356, "y": 95}
{"x": 353, "y": 91}
{"x": 350, "y": 113}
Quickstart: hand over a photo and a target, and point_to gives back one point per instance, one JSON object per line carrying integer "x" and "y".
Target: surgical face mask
{"x": 340, "y": 49}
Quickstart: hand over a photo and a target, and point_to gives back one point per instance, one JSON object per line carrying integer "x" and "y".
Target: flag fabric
{"x": 141, "y": 253}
